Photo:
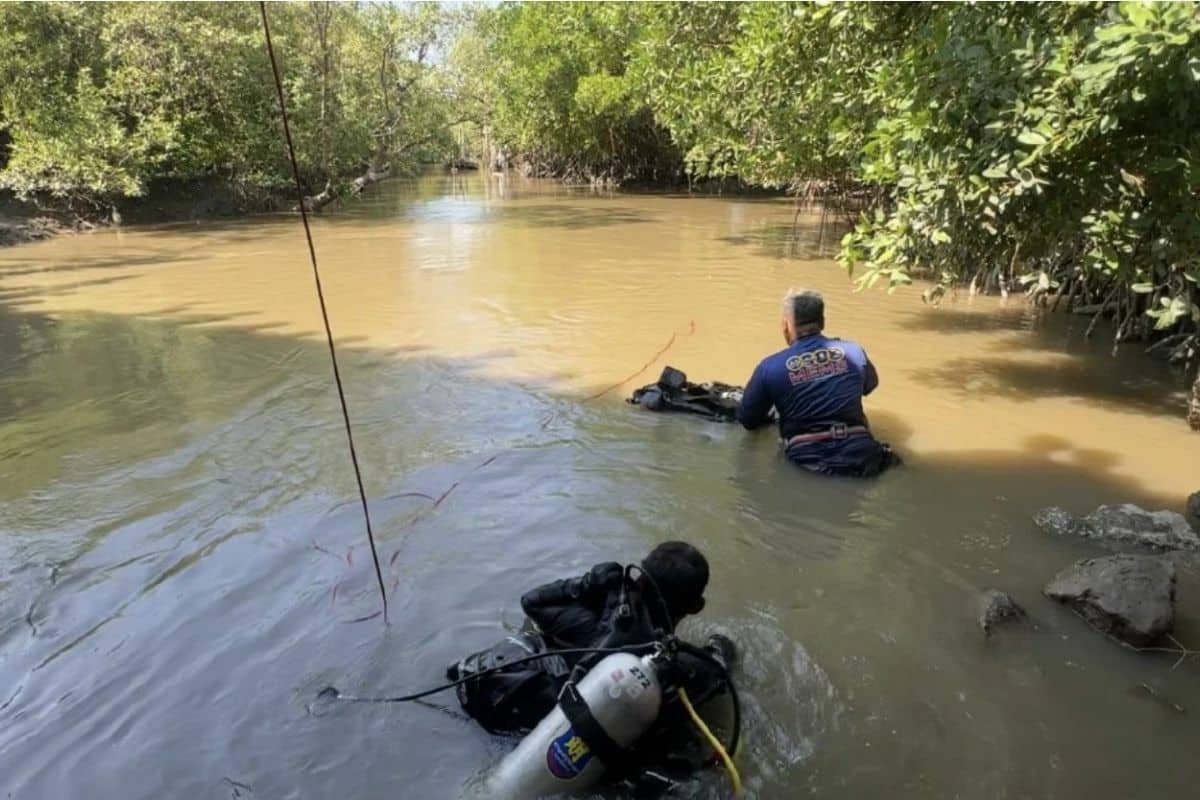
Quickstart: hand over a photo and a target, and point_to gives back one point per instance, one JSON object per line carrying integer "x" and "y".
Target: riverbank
{"x": 28, "y": 229}
{"x": 165, "y": 201}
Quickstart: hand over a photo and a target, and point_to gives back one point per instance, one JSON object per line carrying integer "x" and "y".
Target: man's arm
{"x": 564, "y": 610}
{"x": 755, "y": 409}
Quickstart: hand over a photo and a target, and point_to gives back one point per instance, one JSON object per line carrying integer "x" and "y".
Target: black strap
{"x": 595, "y": 737}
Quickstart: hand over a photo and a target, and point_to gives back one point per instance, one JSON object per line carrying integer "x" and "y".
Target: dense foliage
{"x": 1054, "y": 147}
{"x": 562, "y": 96}
{"x": 99, "y": 100}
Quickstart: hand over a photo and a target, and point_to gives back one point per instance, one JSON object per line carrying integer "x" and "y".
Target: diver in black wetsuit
{"x": 606, "y": 607}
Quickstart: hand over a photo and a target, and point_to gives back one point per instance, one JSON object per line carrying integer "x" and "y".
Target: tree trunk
{"x": 316, "y": 202}
{"x": 323, "y": 21}
{"x": 1193, "y": 417}
{"x": 371, "y": 176}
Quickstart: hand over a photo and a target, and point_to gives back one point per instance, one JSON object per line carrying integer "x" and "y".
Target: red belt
{"x": 834, "y": 432}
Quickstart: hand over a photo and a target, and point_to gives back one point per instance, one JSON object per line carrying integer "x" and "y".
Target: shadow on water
{"x": 182, "y": 567}
{"x": 1064, "y": 363}
{"x": 807, "y": 240}
{"x": 1019, "y": 380}
{"x": 17, "y": 293}
{"x": 23, "y": 268}
{"x": 947, "y": 320}
{"x": 552, "y": 215}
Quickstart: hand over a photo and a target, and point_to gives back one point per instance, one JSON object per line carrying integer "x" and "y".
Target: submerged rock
{"x": 997, "y": 608}
{"x": 1193, "y": 510}
{"x": 1146, "y": 690}
{"x": 1127, "y": 596}
{"x": 1057, "y": 521}
{"x": 1125, "y": 525}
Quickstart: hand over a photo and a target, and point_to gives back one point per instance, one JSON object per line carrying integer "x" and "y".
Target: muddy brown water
{"x": 181, "y": 557}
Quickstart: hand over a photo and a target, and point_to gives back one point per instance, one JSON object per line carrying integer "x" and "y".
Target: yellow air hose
{"x": 726, "y": 759}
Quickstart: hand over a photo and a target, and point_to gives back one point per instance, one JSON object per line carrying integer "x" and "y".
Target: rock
{"x": 1193, "y": 510}
{"x": 1156, "y": 530}
{"x": 1123, "y": 526}
{"x": 997, "y": 608}
{"x": 1130, "y": 597}
{"x": 1056, "y": 521}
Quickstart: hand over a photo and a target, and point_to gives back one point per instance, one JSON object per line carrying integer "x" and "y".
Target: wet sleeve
{"x": 755, "y": 409}
{"x": 565, "y": 610}
{"x": 870, "y": 376}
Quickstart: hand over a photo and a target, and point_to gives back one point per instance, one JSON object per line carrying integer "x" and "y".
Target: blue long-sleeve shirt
{"x": 816, "y": 381}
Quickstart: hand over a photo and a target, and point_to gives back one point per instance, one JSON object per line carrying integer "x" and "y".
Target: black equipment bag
{"x": 674, "y": 392}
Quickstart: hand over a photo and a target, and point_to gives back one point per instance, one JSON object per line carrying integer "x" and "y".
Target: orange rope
{"x": 646, "y": 366}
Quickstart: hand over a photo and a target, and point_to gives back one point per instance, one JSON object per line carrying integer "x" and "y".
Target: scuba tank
{"x": 588, "y": 731}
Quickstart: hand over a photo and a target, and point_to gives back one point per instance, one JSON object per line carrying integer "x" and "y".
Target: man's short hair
{"x": 804, "y": 307}
{"x": 681, "y": 573}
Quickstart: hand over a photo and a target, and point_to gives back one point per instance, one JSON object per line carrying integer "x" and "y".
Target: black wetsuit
{"x": 602, "y": 608}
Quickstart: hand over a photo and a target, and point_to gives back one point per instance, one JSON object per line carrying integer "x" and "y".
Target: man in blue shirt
{"x": 816, "y": 386}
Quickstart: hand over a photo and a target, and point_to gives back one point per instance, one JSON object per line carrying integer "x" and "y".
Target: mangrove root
{"x": 371, "y": 176}
{"x": 316, "y": 202}
{"x": 327, "y": 195}
{"x": 1193, "y": 416}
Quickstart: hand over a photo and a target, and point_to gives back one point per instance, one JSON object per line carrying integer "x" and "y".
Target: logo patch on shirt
{"x": 817, "y": 364}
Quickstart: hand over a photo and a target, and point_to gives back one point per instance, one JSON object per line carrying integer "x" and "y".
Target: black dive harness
{"x": 664, "y": 650}
{"x": 576, "y": 710}
{"x": 614, "y": 757}
{"x": 617, "y": 759}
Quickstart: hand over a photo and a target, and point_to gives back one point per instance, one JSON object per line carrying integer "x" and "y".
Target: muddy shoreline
{"x": 164, "y": 201}
{"x": 23, "y": 230}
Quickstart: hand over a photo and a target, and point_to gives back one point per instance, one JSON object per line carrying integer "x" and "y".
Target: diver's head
{"x": 803, "y": 314}
{"x": 680, "y": 572}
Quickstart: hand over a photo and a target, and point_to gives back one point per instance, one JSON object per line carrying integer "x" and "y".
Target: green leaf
{"x": 1143, "y": 288}
{"x": 1113, "y": 32}
{"x": 1084, "y": 72}
{"x": 1032, "y": 138}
